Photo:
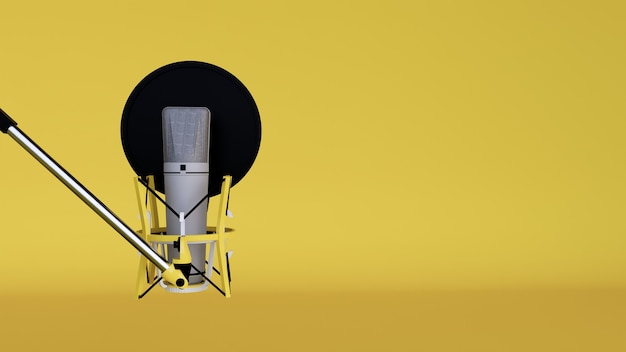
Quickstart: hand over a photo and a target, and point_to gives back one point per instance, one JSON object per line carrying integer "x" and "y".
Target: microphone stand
{"x": 168, "y": 272}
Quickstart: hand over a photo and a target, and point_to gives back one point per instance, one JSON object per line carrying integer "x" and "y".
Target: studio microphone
{"x": 186, "y": 142}
{"x": 190, "y": 130}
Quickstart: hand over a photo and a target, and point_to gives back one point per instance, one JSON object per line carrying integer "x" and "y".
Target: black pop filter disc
{"x": 235, "y": 122}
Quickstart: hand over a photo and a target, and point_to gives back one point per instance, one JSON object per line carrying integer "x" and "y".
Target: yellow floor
{"x": 521, "y": 320}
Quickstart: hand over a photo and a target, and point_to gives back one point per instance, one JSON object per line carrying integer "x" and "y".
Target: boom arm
{"x": 169, "y": 273}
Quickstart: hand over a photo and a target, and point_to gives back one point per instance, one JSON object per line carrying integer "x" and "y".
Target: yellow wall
{"x": 405, "y": 144}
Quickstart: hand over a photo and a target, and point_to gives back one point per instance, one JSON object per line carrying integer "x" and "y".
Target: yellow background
{"x": 408, "y": 148}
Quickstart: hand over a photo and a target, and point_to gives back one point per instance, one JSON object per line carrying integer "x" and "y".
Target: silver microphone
{"x": 186, "y": 132}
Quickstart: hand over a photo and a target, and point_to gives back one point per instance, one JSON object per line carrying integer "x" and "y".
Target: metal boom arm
{"x": 170, "y": 274}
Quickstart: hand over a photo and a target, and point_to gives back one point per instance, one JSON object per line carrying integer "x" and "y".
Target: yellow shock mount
{"x": 148, "y": 275}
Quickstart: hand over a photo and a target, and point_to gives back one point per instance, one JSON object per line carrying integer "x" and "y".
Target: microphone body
{"x": 186, "y": 132}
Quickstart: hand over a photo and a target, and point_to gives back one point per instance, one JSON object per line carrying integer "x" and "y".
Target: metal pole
{"x": 94, "y": 203}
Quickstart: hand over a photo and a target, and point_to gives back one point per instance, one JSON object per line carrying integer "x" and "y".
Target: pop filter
{"x": 235, "y": 122}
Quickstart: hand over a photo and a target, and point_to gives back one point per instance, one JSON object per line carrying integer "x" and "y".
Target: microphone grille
{"x": 186, "y": 134}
